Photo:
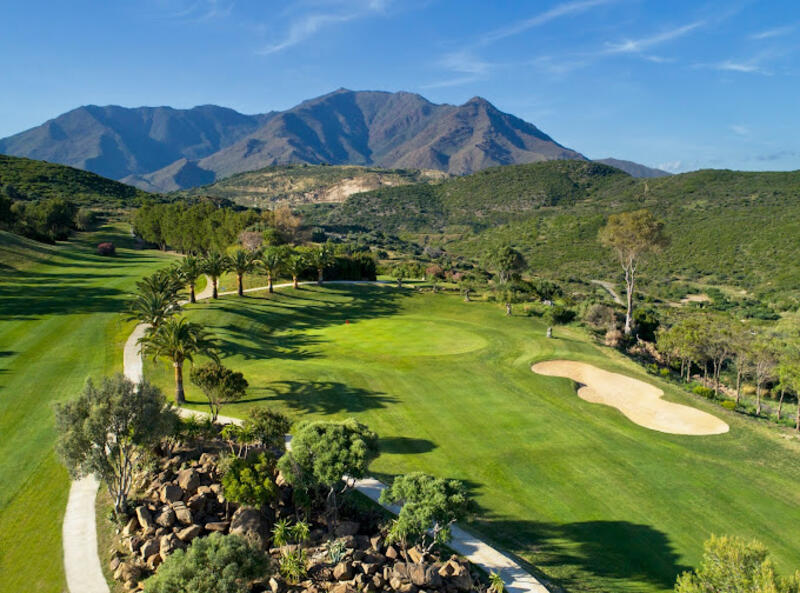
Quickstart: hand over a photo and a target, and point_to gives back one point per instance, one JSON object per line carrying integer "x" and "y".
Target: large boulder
{"x": 182, "y": 513}
{"x": 456, "y": 573}
{"x": 188, "y": 480}
{"x": 166, "y": 517}
{"x": 250, "y": 523}
{"x": 343, "y": 571}
{"x": 220, "y": 526}
{"x": 170, "y": 493}
{"x": 149, "y": 548}
{"x": 168, "y": 544}
{"x": 189, "y": 533}
{"x": 145, "y": 518}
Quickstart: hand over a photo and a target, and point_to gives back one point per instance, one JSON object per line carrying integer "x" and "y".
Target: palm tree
{"x": 215, "y": 265}
{"x": 296, "y": 264}
{"x": 241, "y": 262}
{"x": 320, "y": 258}
{"x": 178, "y": 340}
{"x": 191, "y": 268}
{"x": 153, "y": 308}
{"x": 273, "y": 260}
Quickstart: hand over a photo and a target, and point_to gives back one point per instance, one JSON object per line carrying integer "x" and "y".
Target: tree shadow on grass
{"x": 610, "y": 550}
{"x": 405, "y": 445}
{"x": 321, "y": 397}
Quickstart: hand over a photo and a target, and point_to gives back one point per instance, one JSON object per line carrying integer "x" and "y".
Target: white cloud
{"x": 671, "y": 166}
{"x": 740, "y": 129}
{"x": 310, "y": 23}
{"x": 558, "y": 11}
{"x": 746, "y": 67}
{"x": 770, "y": 33}
{"x": 639, "y": 45}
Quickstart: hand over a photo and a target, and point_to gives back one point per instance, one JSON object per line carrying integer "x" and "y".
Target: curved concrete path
{"x": 640, "y": 402}
{"x": 609, "y": 287}
{"x": 81, "y": 558}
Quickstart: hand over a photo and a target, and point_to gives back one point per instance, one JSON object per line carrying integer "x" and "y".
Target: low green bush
{"x": 703, "y": 391}
{"x": 729, "y": 404}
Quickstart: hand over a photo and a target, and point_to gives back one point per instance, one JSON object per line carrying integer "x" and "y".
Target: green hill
{"x": 27, "y": 179}
{"x": 727, "y": 227}
{"x": 301, "y": 184}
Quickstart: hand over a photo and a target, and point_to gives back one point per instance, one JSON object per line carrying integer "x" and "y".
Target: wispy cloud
{"x": 558, "y": 11}
{"x": 771, "y": 33}
{"x": 644, "y": 43}
{"x": 751, "y": 66}
{"x": 740, "y": 130}
{"x": 311, "y": 22}
{"x": 196, "y": 10}
{"x": 466, "y": 65}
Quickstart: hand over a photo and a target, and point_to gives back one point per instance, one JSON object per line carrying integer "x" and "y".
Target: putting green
{"x": 401, "y": 335}
{"x": 592, "y": 500}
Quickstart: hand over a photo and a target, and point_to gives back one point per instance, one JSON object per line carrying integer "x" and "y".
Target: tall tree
{"x": 191, "y": 268}
{"x": 219, "y": 384}
{"x": 763, "y": 361}
{"x": 632, "y": 235}
{"x": 507, "y": 262}
{"x": 106, "y": 430}
{"x": 320, "y": 258}
{"x": 296, "y": 264}
{"x": 273, "y": 260}
{"x": 215, "y": 265}
{"x": 240, "y": 263}
{"x": 157, "y": 298}
{"x": 178, "y": 340}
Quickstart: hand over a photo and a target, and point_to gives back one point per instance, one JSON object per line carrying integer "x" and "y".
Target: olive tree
{"x": 429, "y": 503}
{"x": 331, "y": 455}
{"x": 632, "y": 235}
{"x": 733, "y": 565}
{"x": 104, "y": 431}
{"x": 219, "y": 384}
{"x": 507, "y": 262}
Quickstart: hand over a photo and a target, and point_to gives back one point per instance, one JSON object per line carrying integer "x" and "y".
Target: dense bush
{"x": 558, "y": 314}
{"x": 250, "y": 481}
{"x": 214, "y": 564}
{"x": 703, "y": 391}
{"x": 107, "y": 249}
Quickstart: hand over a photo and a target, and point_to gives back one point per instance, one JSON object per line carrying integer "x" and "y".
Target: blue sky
{"x": 675, "y": 84}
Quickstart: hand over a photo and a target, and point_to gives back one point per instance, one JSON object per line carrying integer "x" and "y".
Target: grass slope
{"x": 59, "y": 324}
{"x": 39, "y": 179}
{"x": 593, "y": 501}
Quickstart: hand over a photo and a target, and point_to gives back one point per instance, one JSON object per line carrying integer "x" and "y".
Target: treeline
{"x": 47, "y": 220}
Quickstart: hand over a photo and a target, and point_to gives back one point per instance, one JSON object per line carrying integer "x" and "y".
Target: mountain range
{"x": 164, "y": 149}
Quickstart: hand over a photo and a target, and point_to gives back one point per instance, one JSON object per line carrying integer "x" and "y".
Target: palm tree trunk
{"x": 319, "y": 276}
{"x": 294, "y": 282}
{"x": 239, "y": 285}
{"x": 214, "y": 294}
{"x": 269, "y": 283}
{"x": 179, "y": 395}
{"x": 192, "y": 298}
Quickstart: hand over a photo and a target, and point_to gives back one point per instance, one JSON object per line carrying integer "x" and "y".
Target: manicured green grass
{"x": 59, "y": 324}
{"x": 593, "y": 501}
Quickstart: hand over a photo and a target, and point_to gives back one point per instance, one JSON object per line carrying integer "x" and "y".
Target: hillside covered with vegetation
{"x": 27, "y": 179}
{"x": 726, "y": 227}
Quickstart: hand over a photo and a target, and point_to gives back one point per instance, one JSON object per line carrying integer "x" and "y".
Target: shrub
{"x": 106, "y": 249}
{"x": 613, "y": 338}
{"x": 664, "y": 372}
{"x": 210, "y": 565}
{"x": 292, "y": 565}
{"x": 600, "y": 316}
{"x": 557, "y": 315}
{"x": 267, "y": 427}
{"x": 249, "y": 481}
{"x": 703, "y": 391}
{"x": 729, "y": 404}
{"x": 85, "y": 219}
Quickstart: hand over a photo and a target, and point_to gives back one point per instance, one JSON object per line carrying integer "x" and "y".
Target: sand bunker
{"x": 639, "y": 401}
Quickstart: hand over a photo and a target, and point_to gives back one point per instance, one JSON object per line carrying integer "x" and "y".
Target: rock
{"x": 275, "y": 585}
{"x": 149, "y": 548}
{"x": 416, "y": 555}
{"x": 456, "y": 574}
{"x": 207, "y": 458}
{"x": 170, "y": 493}
{"x": 183, "y": 514}
{"x": 251, "y": 523}
{"x": 391, "y": 553}
{"x": 205, "y": 490}
{"x": 189, "y": 533}
{"x": 369, "y": 569}
{"x": 131, "y": 526}
{"x": 153, "y": 562}
{"x": 188, "y": 480}
{"x": 343, "y": 571}
{"x": 134, "y": 543}
{"x": 341, "y": 588}
{"x": 126, "y": 572}
{"x": 395, "y": 583}
{"x": 376, "y": 542}
{"x": 166, "y": 518}
{"x": 113, "y": 563}
{"x": 345, "y": 528}
{"x": 360, "y": 580}
{"x": 145, "y": 518}
{"x": 220, "y": 526}
{"x": 197, "y": 503}
{"x": 378, "y": 582}
{"x": 168, "y": 544}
